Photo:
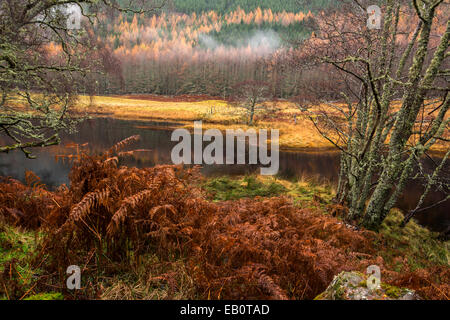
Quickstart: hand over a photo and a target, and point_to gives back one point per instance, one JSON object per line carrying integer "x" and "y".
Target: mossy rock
{"x": 353, "y": 286}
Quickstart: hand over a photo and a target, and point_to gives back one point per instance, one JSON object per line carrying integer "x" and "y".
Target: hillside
{"x": 206, "y": 47}
{"x": 225, "y": 6}
{"x": 207, "y": 53}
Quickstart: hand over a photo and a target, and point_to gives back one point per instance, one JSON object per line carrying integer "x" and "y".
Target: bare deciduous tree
{"x": 394, "y": 99}
{"x": 250, "y": 95}
{"x": 45, "y": 63}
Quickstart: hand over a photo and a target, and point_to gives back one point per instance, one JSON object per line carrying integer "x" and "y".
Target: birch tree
{"x": 393, "y": 108}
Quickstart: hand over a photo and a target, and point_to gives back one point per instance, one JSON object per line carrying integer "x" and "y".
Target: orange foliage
{"x": 247, "y": 249}
{"x": 164, "y": 34}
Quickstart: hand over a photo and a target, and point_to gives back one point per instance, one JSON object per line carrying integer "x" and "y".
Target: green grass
{"x": 46, "y": 296}
{"x": 18, "y": 245}
{"x": 419, "y": 245}
{"x": 225, "y": 188}
{"x": 305, "y": 194}
{"x": 18, "y": 249}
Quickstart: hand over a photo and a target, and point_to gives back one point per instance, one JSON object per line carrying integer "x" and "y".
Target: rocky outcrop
{"x": 353, "y": 286}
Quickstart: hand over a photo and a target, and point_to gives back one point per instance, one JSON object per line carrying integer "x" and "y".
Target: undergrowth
{"x": 153, "y": 233}
{"x": 420, "y": 246}
{"x": 421, "y": 260}
{"x": 46, "y": 296}
{"x": 152, "y": 279}
{"x": 18, "y": 248}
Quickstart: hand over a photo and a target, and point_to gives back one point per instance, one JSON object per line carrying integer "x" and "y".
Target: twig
{"x": 25, "y": 294}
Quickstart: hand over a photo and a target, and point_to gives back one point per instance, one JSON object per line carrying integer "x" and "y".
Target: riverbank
{"x": 297, "y": 132}
{"x": 259, "y": 219}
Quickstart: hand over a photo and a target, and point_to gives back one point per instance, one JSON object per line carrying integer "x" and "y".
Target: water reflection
{"x": 103, "y": 133}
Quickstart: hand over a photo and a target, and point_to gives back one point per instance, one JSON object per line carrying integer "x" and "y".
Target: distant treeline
{"x": 207, "y": 47}
{"x": 225, "y": 6}
{"x": 207, "y": 53}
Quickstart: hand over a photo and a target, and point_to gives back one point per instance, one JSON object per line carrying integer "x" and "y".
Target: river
{"x": 102, "y": 133}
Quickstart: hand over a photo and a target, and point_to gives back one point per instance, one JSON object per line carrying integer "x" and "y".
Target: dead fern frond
{"x": 162, "y": 209}
{"x": 84, "y": 207}
{"x": 124, "y": 143}
{"x": 132, "y": 153}
{"x": 127, "y": 204}
{"x": 33, "y": 181}
{"x": 268, "y": 284}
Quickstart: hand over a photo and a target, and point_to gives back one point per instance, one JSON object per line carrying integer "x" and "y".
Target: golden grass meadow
{"x": 297, "y": 132}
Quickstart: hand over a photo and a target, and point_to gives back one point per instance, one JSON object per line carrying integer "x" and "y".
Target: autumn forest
{"x": 208, "y": 151}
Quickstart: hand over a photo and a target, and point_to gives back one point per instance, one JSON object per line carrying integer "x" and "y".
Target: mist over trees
{"x": 204, "y": 53}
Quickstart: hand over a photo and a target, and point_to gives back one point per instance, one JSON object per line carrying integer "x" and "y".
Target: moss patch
{"x": 225, "y": 188}
{"x": 18, "y": 249}
{"x": 20, "y": 246}
{"x": 46, "y": 296}
{"x": 392, "y": 291}
{"x": 353, "y": 286}
{"x": 305, "y": 194}
{"x": 420, "y": 247}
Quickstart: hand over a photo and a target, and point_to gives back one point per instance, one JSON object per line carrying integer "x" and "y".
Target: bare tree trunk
{"x": 380, "y": 143}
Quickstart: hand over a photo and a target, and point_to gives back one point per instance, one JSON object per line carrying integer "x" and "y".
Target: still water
{"x": 102, "y": 133}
